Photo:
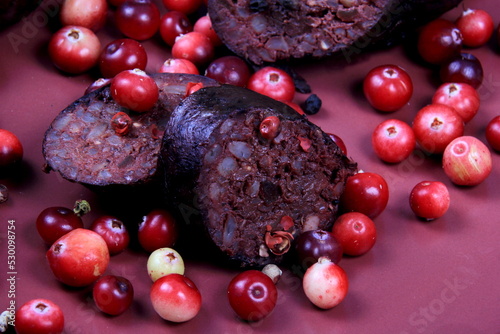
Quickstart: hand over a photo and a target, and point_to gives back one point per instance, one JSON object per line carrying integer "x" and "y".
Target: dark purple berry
{"x": 312, "y": 104}
{"x": 465, "y": 68}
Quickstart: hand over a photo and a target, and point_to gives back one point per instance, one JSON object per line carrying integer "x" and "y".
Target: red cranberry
{"x": 439, "y": 41}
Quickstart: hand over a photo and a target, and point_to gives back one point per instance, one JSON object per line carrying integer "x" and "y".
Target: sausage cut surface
{"x": 82, "y": 145}
{"x": 249, "y": 189}
{"x": 267, "y": 31}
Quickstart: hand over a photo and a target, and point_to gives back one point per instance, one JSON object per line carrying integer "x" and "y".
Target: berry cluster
{"x": 187, "y": 32}
{"x": 438, "y": 128}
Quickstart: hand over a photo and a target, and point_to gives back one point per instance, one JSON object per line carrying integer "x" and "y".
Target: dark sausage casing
{"x": 82, "y": 145}
{"x": 268, "y": 31}
{"x": 249, "y": 189}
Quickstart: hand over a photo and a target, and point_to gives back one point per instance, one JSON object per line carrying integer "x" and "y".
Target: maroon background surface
{"x": 436, "y": 277}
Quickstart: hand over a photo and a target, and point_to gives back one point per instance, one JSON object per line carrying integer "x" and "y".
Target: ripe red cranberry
{"x": 355, "y": 232}
{"x": 429, "y": 199}
{"x": 272, "y": 82}
{"x": 204, "y": 25}
{"x": 435, "y": 126}
{"x": 460, "y": 96}
{"x": 158, "y": 229}
{"x": 393, "y": 141}
{"x": 195, "y": 47}
{"x": 439, "y": 41}
{"x": 387, "y": 87}
{"x": 74, "y": 49}
{"x": 135, "y": 90}
{"x": 11, "y": 149}
{"x": 493, "y": 133}
{"x": 112, "y": 294}
{"x": 120, "y": 55}
{"x": 365, "y": 192}
{"x": 230, "y": 70}
{"x": 174, "y": 24}
{"x": 252, "y": 295}
{"x": 113, "y": 231}
{"x": 462, "y": 68}
{"x": 138, "y": 19}
{"x": 184, "y": 6}
{"x": 54, "y": 222}
{"x": 175, "y": 298}
{"x": 476, "y": 26}
{"x": 90, "y": 14}
{"x": 79, "y": 257}
{"x": 177, "y": 65}
{"x": 39, "y": 316}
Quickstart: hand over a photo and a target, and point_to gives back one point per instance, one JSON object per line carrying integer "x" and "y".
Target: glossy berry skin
{"x": 40, "y": 316}
{"x": 325, "y": 284}
{"x": 272, "y": 82}
{"x": 177, "y": 65}
{"x": 54, "y": 222}
{"x": 230, "y": 70}
{"x": 463, "y": 68}
{"x": 204, "y": 25}
{"x": 467, "y": 161}
{"x": 195, "y": 47}
{"x": 439, "y": 41}
{"x": 252, "y": 295}
{"x": 476, "y": 26}
{"x": 79, "y": 257}
{"x": 356, "y": 233}
{"x": 11, "y": 149}
{"x": 460, "y": 96}
{"x": 74, "y": 49}
{"x": 99, "y": 83}
{"x": 135, "y": 90}
{"x": 112, "y": 294}
{"x": 138, "y": 19}
{"x": 164, "y": 261}
{"x": 387, "y": 87}
{"x": 113, "y": 231}
{"x": 158, "y": 229}
{"x": 270, "y": 127}
{"x": 121, "y": 55}
{"x": 175, "y": 298}
{"x": 184, "y": 6}
{"x": 174, "y": 24}
{"x": 435, "y": 126}
{"x": 340, "y": 143}
{"x": 365, "y": 192}
{"x": 393, "y": 141}
{"x": 90, "y": 14}
{"x": 313, "y": 244}
{"x": 493, "y": 133}
{"x": 429, "y": 199}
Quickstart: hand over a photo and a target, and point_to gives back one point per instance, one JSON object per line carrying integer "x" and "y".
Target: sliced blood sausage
{"x": 267, "y": 31}
{"x": 255, "y": 192}
{"x": 83, "y": 146}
